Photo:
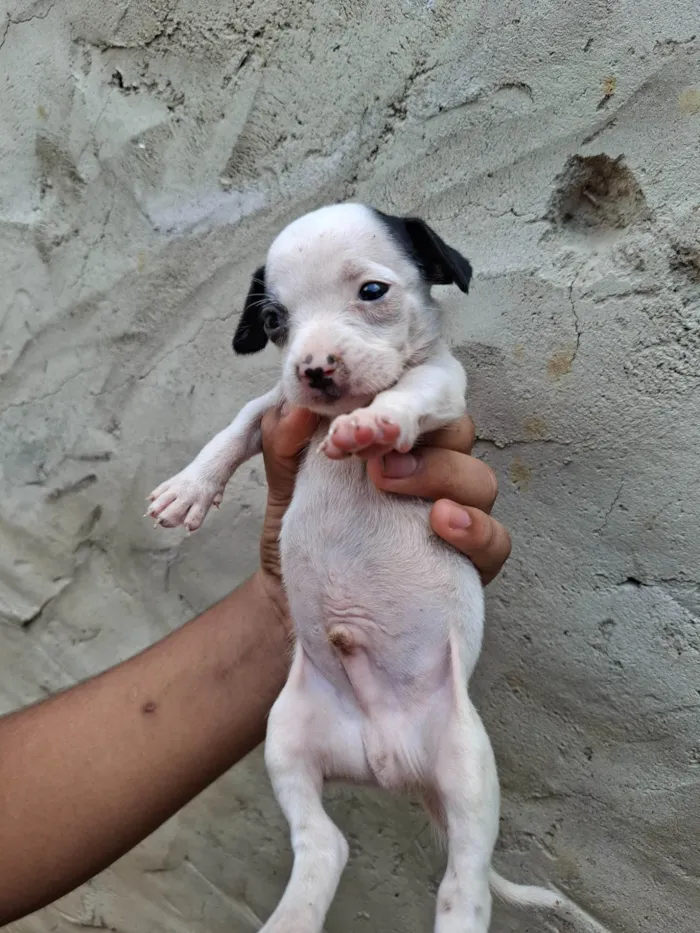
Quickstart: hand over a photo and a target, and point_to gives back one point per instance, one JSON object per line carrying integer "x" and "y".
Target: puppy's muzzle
{"x": 320, "y": 373}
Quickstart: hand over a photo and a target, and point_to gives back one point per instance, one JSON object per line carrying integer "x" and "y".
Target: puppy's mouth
{"x": 325, "y": 387}
{"x": 331, "y": 400}
{"x": 324, "y": 398}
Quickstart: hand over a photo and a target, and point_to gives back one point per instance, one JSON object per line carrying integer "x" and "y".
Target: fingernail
{"x": 459, "y": 520}
{"x": 285, "y": 409}
{"x": 399, "y": 466}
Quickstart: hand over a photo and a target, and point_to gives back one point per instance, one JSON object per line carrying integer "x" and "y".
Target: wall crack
{"x": 577, "y": 323}
{"x": 27, "y": 19}
{"x": 610, "y": 508}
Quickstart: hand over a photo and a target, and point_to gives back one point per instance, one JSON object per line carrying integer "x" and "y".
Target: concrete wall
{"x": 149, "y": 153}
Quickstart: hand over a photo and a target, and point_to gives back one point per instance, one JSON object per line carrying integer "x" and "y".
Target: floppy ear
{"x": 250, "y": 336}
{"x": 439, "y": 263}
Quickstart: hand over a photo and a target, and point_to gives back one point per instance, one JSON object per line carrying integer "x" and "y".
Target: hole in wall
{"x": 596, "y": 194}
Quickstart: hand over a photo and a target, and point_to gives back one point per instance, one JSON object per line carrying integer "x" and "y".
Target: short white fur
{"x": 388, "y": 619}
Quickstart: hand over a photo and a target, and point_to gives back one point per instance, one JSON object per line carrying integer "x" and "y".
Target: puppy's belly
{"x": 374, "y": 598}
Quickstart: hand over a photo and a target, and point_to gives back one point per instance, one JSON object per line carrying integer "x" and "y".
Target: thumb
{"x": 285, "y": 434}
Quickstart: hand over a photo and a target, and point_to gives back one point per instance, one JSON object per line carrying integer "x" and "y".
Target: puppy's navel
{"x": 341, "y": 638}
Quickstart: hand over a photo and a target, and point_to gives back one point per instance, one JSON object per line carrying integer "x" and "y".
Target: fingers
{"x": 464, "y": 490}
{"x": 459, "y": 435}
{"x": 481, "y": 538}
{"x": 432, "y": 473}
{"x": 285, "y": 434}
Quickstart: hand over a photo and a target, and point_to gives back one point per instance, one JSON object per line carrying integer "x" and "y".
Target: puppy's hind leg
{"x": 465, "y": 799}
{"x": 308, "y": 739}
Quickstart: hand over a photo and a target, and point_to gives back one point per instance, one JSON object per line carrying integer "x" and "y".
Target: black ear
{"x": 439, "y": 263}
{"x": 250, "y": 336}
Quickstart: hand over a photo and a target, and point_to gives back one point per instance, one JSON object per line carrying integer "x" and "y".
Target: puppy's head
{"x": 345, "y": 294}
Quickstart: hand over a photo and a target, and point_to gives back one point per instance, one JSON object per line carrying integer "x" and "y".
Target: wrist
{"x": 268, "y": 591}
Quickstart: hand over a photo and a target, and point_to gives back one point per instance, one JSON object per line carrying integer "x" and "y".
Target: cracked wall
{"x": 149, "y": 154}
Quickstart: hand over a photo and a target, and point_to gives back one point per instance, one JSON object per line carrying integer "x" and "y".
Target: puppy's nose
{"x": 315, "y": 377}
{"x": 318, "y": 371}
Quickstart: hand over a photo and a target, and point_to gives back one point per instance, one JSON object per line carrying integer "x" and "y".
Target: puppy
{"x": 388, "y": 619}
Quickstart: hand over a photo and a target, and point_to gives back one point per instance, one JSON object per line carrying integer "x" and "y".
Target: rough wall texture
{"x": 149, "y": 152}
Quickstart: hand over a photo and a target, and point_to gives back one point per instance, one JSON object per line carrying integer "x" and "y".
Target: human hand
{"x": 441, "y": 469}
{"x": 463, "y": 488}
{"x": 285, "y": 435}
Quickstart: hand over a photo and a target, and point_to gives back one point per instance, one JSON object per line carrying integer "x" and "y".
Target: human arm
{"x": 90, "y": 772}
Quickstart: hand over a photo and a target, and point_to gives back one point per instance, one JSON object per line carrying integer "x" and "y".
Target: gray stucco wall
{"x": 148, "y": 153}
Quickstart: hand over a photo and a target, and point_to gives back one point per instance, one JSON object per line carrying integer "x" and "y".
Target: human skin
{"x": 88, "y": 773}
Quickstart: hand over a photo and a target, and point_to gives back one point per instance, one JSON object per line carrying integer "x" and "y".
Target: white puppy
{"x": 388, "y": 619}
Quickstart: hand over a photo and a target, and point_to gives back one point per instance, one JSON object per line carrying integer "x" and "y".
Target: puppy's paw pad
{"x": 358, "y": 431}
{"x": 404, "y": 430}
{"x": 366, "y": 428}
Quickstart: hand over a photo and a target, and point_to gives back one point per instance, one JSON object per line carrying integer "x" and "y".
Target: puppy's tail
{"x": 530, "y": 895}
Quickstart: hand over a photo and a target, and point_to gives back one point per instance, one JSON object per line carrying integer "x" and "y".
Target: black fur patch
{"x": 439, "y": 263}
{"x": 251, "y": 336}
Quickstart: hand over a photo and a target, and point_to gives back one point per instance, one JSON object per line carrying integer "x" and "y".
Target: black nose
{"x": 317, "y": 377}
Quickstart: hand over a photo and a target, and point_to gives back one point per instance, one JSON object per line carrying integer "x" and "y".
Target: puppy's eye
{"x": 371, "y": 291}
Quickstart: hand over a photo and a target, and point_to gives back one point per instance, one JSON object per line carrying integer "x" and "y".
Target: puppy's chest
{"x": 353, "y": 555}
{"x": 337, "y": 514}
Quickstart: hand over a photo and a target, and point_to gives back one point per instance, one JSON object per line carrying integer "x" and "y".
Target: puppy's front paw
{"x": 367, "y": 428}
{"x": 184, "y": 500}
